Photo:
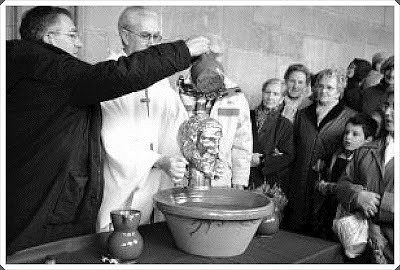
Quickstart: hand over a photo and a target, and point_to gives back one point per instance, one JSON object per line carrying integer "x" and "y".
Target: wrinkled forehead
{"x": 328, "y": 79}
{"x": 144, "y": 20}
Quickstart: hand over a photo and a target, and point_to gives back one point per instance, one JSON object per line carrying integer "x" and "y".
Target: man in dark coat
{"x": 54, "y": 154}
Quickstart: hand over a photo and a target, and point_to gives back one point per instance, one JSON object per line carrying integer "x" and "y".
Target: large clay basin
{"x": 217, "y": 222}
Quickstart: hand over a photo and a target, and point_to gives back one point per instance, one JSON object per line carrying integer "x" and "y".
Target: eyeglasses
{"x": 321, "y": 87}
{"x": 146, "y": 36}
{"x": 72, "y": 35}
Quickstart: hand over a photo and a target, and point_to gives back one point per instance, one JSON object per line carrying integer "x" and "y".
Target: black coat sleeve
{"x": 111, "y": 79}
{"x": 83, "y": 83}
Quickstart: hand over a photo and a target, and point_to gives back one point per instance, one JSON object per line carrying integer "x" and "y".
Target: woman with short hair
{"x": 318, "y": 132}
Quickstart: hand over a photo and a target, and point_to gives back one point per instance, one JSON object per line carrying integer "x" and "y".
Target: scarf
{"x": 262, "y": 113}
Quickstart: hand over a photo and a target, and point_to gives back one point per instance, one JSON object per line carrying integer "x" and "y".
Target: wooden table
{"x": 159, "y": 248}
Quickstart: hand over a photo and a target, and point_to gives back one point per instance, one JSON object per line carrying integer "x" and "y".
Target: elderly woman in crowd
{"x": 273, "y": 150}
{"x": 357, "y": 71}
{"x": 297, "y": 79}
{"x": 318, "y": 131}
{"x": 373, "y": 97}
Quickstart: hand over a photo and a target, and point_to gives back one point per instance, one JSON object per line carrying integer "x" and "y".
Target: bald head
{"x": 138, "y": 28}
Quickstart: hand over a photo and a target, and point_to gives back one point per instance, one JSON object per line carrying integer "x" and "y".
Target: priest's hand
{"x": 174, "y": 167}
{"x": 198, "y": 45}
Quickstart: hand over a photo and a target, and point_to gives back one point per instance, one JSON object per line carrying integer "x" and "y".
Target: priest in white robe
{"x": 139, "y": 132}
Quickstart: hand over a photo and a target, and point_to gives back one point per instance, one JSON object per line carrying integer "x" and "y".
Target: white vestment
{"x": 129, "y": 130}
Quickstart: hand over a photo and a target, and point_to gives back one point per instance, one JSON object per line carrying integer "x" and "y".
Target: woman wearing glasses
{"x": 318, "y": 131}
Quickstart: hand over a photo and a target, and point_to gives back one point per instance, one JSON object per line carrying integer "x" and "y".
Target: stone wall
{"x": 261, "y": 40}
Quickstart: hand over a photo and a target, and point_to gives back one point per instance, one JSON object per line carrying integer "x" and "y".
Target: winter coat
{"x": 277, "y": 131}
{"x": 312, "y": 142}
{"x": 54, "y": 156}
{"x": 368, "y": 170}
{"x": 325, "y": 205}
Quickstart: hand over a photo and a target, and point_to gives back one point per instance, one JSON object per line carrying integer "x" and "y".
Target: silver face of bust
{"x": 209, "y": 141}
{"x": 199, "y": 136}
{"x": 198, "y": 139}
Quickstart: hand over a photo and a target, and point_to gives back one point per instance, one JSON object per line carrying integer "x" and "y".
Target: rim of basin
{"x": 198, "y": 204}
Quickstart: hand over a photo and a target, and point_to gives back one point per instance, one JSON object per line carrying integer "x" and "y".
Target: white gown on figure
{"x": 127, "y": 133}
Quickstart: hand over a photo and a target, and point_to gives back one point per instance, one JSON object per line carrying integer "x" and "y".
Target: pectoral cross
{"x": 146, "y": 99}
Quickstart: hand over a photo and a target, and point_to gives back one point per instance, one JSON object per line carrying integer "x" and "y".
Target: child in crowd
{"x": 373, "y": 168}
{"x": 359, "y": 130}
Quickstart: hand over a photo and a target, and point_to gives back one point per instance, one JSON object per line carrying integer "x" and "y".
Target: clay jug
{"x": 125, "y": 242}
